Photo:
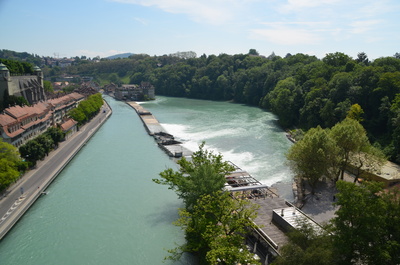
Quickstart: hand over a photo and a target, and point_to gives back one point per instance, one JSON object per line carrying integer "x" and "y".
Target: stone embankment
{"x": 164, "y": 140}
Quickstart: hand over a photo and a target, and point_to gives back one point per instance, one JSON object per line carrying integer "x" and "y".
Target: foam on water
{"x": 249, "y": 137}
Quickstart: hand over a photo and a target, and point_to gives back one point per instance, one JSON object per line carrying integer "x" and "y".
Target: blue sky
{"x": 156, "y": 27}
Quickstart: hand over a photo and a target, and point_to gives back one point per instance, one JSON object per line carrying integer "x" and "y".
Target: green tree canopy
{"x": 56, "y": 134}
{"x": 307, "y": 246}
{"x": 203, "y": 174}
{"x": 46, "y": 142}
{"x": 32, "y": 151}
{"x": 355, "y": 112}
{"x": 215, "y": 229}
{"x": 351, "y": 138}
{"x": 48, "y": 86}
{"x": 366, "y": 229}
{"x": 314, "y": 156}
{"x": 215, "y": 223}
{"x": 9, "y": 164}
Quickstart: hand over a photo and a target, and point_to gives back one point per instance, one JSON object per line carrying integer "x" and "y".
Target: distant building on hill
{"x": 28, "y": 86}
{"x": 135, "y": 92}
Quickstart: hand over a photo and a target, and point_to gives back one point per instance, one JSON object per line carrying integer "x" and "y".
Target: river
{"x": 104, "y": 209}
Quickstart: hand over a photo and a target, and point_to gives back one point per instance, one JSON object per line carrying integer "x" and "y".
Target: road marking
{"x": 13, "y": 207}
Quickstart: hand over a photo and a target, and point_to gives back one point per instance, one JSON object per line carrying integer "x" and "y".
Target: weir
{"x": 269, "y": 235}
{"x": 164, "y": 140}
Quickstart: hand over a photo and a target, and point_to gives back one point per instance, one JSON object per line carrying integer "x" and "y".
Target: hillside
{"x": 302, "y": 90}
{"x": 119, "y": 56}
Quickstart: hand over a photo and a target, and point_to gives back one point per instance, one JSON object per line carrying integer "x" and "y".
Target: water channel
{"x": 104, "y": 208}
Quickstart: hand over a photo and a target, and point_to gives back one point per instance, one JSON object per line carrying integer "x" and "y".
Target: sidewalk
{"x": 22, "y": 195}
{"x": 321, "y": 206}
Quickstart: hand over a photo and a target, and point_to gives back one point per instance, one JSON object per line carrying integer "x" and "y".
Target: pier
{"x": 164, "y": 140}
{"x": 275, "y": 216}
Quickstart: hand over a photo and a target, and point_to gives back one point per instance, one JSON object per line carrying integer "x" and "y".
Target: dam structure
{"x": 164, "y": 140}
{"x": 275, "y": 215}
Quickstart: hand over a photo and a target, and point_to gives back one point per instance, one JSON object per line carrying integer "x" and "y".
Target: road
{"x": 24, "y": 193}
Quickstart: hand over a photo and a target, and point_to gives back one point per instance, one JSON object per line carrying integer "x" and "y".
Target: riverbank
{"x": 22, "y": 195}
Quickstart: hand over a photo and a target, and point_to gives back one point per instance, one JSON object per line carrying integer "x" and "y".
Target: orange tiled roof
{"x": 17, "y": 112}
{"x": 68, "y": 124}
{"x": 6, "y": 120}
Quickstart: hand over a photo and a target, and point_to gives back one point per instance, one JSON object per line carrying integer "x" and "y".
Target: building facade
{"x": 28, "y": 86}
{"x": 135, "y": 92}
{"x": 21, "y": 124}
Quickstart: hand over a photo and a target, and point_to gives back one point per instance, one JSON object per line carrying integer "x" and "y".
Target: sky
{"x": 69, "y": 28}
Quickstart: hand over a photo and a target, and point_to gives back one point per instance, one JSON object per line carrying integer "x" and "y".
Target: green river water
{"x": 104, "y": 208}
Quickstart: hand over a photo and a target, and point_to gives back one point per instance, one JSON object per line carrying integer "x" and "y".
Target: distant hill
{"x": 21, "y": 57}
{"x": 122, "y": 55}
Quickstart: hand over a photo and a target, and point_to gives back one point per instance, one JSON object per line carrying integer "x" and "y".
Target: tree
{"x": 203, "y": 174}
{"x": 78, "y": 115}
{"x": 10, "y": 101}
{"x": 215, "y": 229}
{"x": 351, "y": 138}
{"x": 281, "y": 101}
{"x": 362, "y": 227}
{"x": 314, "y": 156}
{"x": 32, "y": 151}
{"x": 355, "y": 113}
{"x": 395, "y": 122}
{"x": 362, "y": 58}
{"x": 339, "y": 86}
{"x": 253, "y": 52}
{"x": 9, "y": 164}
{"x": 46, "y": 142}
{"x": 215, "y": 224}
{"x": 87, "y": 108}
{"x": 336, "y": 59}
{"x": 307, "y": 246}
{"x": 48, "y": 87}
{"x": 56, "y": 134}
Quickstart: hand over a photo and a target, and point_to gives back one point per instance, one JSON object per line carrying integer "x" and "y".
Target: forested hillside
{"x": 21, "y": 56}
{"x": 17, "y": 67}
{"x": 302, "y": 90}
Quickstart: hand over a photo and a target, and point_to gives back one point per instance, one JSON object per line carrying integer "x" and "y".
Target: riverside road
{"x": 19, "y": 197}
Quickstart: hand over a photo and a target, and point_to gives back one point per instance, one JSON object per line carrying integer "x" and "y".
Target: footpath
{"x": 321, "y": 206}
{"x": 18, "y": 198}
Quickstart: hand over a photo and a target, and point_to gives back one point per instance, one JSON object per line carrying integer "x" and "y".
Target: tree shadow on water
{"x": 165, "y": 214}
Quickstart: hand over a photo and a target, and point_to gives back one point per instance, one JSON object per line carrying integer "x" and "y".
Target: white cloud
{"x": 298, "y": 5}
{"x": 286, "y": 36}
{"x": 206, "y": 11}
{"x": 364, "y": 26}
{"x": 375, "y": 8}
{"x": 141, "y": 20}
